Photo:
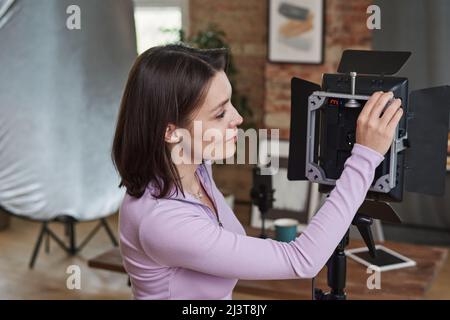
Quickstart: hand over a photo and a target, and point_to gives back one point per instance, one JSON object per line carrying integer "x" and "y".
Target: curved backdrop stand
{"x": 60, "y": 92}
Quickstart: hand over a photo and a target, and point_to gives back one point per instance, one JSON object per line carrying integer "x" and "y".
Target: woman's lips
{"x": 234, "y": 138}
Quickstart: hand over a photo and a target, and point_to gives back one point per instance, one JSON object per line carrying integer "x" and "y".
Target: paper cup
{"x": 286, "y": 229}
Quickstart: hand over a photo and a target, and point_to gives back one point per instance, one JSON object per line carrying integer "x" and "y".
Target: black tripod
{"x": 337, "y": 264}
{"x": 69, "y": 226}
{"x": 262, "y": 196}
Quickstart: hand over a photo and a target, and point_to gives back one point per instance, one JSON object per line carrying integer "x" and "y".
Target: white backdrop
{"x": 60, "y": 91}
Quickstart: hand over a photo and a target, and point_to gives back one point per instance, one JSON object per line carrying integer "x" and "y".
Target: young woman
{"x": 178, "y": 237}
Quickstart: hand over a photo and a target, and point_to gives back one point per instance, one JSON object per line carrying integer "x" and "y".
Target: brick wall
{"x": 345, "y": 28}
{"x": 244, "y": 23}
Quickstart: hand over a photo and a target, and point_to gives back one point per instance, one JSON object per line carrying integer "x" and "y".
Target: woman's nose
{"x": 237, "y": 121}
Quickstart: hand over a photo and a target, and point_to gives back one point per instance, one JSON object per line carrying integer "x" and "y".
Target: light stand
{"x": 322, "y": 135}
{"x": 337, "y": 264}
{"x": 262, "y": 196}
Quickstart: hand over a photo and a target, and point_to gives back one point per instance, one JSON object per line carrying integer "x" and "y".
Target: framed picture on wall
{"x": 296, "y": 31}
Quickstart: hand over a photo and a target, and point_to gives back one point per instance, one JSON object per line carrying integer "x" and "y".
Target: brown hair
{"x": 165, "y": 85}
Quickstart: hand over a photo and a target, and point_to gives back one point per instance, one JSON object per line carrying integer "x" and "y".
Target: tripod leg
{"x": 72, "y": 241}
{"x": 263, "y": 234}
{"x": 90, "y": 236}
{"x": 38, "y": 244}
{"x": 109, "y": 232}
{"x": 47, "y": 243}
{"x": 336, "y": 273}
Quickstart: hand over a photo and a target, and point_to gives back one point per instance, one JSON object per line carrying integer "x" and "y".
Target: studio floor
{"x": 48, "y": 279}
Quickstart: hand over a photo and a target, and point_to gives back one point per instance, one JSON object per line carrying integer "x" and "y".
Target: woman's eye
{"x": 221, "y": 115}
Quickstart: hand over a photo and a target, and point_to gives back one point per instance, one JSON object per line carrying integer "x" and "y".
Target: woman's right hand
{"x": 374, "y": 131}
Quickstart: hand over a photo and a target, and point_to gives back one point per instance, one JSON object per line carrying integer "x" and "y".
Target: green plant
{"x": 213, "y": 37}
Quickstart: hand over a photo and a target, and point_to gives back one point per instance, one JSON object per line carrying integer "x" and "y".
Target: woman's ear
{"x": 171, "y": 135}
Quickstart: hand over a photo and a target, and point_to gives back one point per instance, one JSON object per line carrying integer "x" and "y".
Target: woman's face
{"x": 212, "y": 134}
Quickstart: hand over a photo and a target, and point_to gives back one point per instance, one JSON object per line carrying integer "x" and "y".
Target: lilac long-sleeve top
{"x": 174, "y": 248}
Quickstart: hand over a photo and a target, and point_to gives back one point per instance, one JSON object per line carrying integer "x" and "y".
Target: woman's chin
{"x": 230, "y": 149}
